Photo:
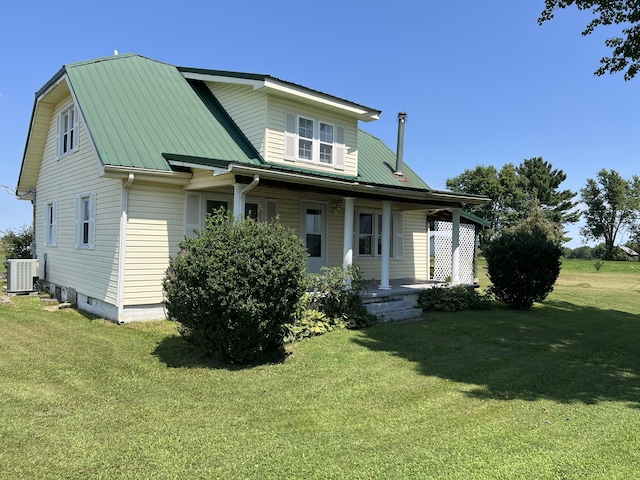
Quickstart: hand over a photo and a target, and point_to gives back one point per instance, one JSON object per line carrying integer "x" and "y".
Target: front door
{"x": 314, "y": 234}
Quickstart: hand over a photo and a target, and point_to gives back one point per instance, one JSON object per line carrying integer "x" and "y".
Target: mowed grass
{"x": 550, "y": 393}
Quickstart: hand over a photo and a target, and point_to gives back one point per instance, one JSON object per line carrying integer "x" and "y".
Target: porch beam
{"x": 385, "y": 245}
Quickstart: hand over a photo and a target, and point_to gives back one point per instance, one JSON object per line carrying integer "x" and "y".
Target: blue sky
{"x": 481, "y": 82}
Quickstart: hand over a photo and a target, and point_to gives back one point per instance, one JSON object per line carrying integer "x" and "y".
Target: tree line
{"x": 609, "y": 204}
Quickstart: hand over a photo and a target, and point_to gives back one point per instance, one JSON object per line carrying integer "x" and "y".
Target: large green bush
{"x": 234, "y": 286}
{"x": 523, "y": 265}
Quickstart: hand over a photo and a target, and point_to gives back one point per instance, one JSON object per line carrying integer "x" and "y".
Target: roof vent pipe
{"x": 402, "y": 119}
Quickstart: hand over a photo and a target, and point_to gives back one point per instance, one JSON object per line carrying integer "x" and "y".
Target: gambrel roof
{"x": 145, "y": 114}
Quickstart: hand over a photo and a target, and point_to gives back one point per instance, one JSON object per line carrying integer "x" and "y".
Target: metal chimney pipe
{"x": 402, "y": 119}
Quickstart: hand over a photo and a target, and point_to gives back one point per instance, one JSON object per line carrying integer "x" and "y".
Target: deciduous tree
{"x": 626, "y": 48}
{"x": 612, "y": 206}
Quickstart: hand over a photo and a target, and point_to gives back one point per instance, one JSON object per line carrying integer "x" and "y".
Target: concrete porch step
{"x": 394, "y": 310}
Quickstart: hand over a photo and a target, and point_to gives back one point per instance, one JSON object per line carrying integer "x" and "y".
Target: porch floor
{"x": 399, "y": 287}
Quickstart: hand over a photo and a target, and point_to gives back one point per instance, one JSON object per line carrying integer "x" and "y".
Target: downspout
{"x": 32, "y": 247}
{"x": 122, "y": 254}
{"x": 240, "y": 194}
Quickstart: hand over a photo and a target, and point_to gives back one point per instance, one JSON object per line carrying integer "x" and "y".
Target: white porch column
{"x": 238, "y": 201}
{"x": 428, "y": 249}
{"x": 385, "y": 245}
{"x": 347, "y": 257}
{"x": 455, "y": 246}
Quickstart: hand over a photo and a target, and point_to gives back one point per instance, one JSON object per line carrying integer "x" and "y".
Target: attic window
{"x": 67, "y": 131}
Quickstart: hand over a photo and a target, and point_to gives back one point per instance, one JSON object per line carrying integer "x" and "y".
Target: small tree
{"x": 17, "y": 244}
{"x": 524, "y": 261}
{"x": 234, "y": 286}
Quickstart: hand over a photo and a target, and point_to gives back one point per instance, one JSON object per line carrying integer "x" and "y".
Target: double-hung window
{"x": 50, "y": 223}
{"x": 326, "y": 143}
{"x": 67, "y": 131}
{"x": 85, "y": 220}
{"x": 312, "y": 140}
{"x": 369, "y": 230}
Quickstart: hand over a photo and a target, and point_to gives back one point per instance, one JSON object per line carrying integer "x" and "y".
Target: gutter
{"x": 354, "y": 186}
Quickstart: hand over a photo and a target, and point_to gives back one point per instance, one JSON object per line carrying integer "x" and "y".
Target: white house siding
{"x": 155, "y": 227}
{"x": 92, "y": 273}
{"x": 248, "y": 109}
{"x": 278, "y": 107}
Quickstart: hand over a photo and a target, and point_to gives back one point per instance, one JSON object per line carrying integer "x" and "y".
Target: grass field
{"x": 553, "y": 393}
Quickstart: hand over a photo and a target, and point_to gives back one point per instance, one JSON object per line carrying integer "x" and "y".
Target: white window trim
{"x": 74, "y": 131}
{"x": 51, "y": 223}
{"x": 396, "y": 234}
{"x": 90, "y": 244}
{"x": 292, "y": 141}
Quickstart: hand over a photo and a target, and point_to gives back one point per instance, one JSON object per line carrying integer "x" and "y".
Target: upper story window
{"x": 313, "y": 140}
{"x": 67, "y": 131}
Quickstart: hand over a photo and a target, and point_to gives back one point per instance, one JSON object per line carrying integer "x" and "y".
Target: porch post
{"x": 428, "y": 249}
{"x": 455, "y": 246}
{"x": 347, "y": 257}
{"x": 238, "y": 201}
{"x": 385, "y": 245}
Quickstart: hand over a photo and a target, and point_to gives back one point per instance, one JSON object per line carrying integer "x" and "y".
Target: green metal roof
{"x": 260, "y": 77}
{"x": 142, "y": 112}
{"x": 377, "y": 164}
{"x": 136, "y": 108}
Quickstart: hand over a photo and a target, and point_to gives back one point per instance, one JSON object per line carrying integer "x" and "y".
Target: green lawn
{"x": 553, "y": 393}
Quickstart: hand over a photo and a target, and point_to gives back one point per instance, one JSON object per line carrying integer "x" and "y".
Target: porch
{"x": 398, "y": 301}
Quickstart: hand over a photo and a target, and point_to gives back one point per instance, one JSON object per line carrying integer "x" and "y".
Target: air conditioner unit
{"x": 21, "y": 275}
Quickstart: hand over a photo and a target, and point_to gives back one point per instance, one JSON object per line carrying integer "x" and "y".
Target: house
{"x": 631, "y": 254}
{"x": 126, "y": 155}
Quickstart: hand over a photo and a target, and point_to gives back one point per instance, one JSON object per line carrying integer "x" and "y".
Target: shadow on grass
{"x": 556, "y": 351}
{"x": 176, "y": 352}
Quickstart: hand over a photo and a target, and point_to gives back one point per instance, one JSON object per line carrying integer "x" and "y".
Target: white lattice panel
{"x": 442, "y": 252}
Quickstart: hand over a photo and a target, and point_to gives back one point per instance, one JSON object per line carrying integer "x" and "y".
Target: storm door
{"x": 314, "y": 234}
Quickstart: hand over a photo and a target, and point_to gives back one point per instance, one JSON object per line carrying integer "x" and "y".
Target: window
{"x": 370, "y": 244}
{"x": 67, "y": 131}
{"x": 50, "y": 223}
{"x": 252, "y": 210}
{"x": 85, "y": 220}
{"x": 315, "y": 141}
{"x": 214, "y": 205}
{"x": 365, "y": 231}
{"x": 305, "y": 139}
{"x": 314, "y": 232}
{"x": 326, "y": 143}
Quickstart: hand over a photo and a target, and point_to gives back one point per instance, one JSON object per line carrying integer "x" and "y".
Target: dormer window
{"x": 67, "y": 131}
{"x": 315, "y": 141}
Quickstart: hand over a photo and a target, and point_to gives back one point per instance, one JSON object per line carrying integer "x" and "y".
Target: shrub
{"x": 311, "y": 323}
{"x": 455, "y": 299}
{"x": 234, "y": 286}
{"x": 336, "y": 293}
{"x": 523, "y": 265}
{"x": 17, "y": 244}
